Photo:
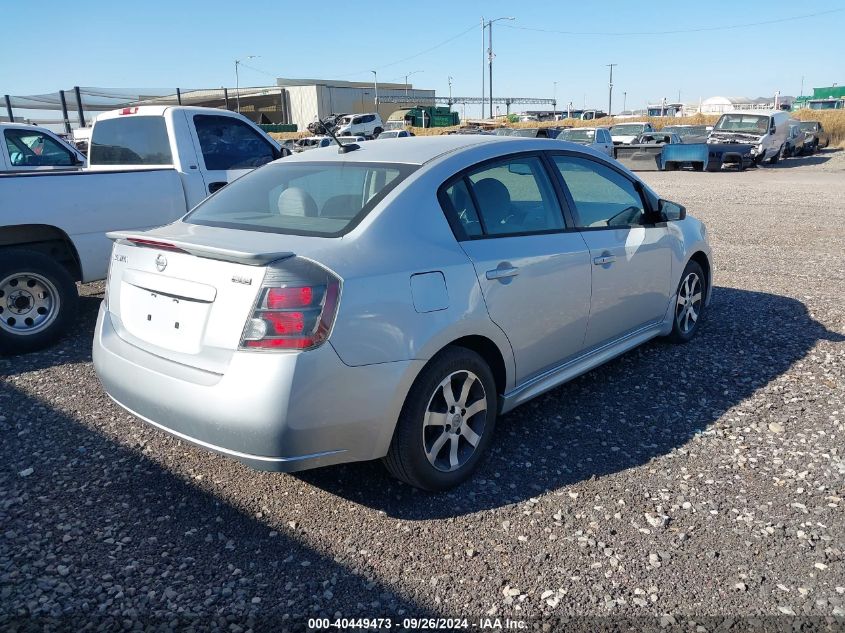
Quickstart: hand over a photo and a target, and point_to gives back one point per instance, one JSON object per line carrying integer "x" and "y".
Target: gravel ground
{"x": 698, "y": 480}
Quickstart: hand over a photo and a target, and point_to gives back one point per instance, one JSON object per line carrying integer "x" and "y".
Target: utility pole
{"x": 624, "y": 101}
{"x": 490, "y": 56}
{"x": 450, "y": 91}
{"x": 375, "y": 87}
{"x": 554, "y": 100}
{"x": 238, "y": 83}
{"x": 802, "y": 86}
{"x": 610, "y": 91}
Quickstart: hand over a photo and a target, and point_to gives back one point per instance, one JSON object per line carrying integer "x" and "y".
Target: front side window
{"x": 227, "y": 143}
{"x": 131, "y": 140}
{"x": 515, "y": 196}
{"x": 320, "y": 199}
{"x": 28, "y": 148}
{"x": 603, "y": 197}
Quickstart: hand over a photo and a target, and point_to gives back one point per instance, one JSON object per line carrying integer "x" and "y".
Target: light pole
{"x": 414, "y": 72}
{"x": 554, "y": 100}
{"x": 490, "y": 58}
{"x": 610, "y": 91}
{"x": 624, "y": 101}
{"x": 238, "y": 82}
{"x": 450, "y": 91}
{"x": 375, "y": 87}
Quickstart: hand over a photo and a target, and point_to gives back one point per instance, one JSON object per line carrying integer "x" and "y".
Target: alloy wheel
{"x": 689, "y": 303}
{"x": 454, "y": 424}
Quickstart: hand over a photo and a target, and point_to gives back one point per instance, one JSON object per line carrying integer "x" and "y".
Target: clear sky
{"x": 50, "y": 45}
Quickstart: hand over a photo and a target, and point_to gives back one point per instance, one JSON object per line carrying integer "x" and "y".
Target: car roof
{"x": 420, "y": 149}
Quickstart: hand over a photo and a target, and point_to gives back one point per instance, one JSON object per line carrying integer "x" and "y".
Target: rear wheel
{"x": 689, "y": 306}
{"x": 38, "y": 301}
{"x": 377, "y": 131}
{"x": 446, "y": 423}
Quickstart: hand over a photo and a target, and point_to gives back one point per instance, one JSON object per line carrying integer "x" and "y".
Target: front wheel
{"x": 38, "y": 301}
{"x": 446, "y": 423}
{"x": 689, "y": 306}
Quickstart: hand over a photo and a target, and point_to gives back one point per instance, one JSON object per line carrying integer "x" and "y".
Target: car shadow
{"x": 642, "y": 405}
{"x": 86, "y": 517}
{"x": 801, "y": 161}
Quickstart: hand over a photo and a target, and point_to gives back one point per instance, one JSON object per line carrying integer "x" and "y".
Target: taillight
{"x": 295, "y": 309}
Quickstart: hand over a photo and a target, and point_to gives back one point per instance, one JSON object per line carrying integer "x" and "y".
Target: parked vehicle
{"x": 535, "y": 132}
{"x": 389, "y": 302}
{"x": 646, "y": 152}
{"x": 596, "y": 137}
{"x": 816, "y": 137}
{"x": 794, "y": 145}
{"x": 31, "y": 148}
{"x": 764, "y": 130}
{"x": 627, "y": 133}
{"x": 147, "y": 166}
{"x": 503, "y": 131}
{"x": 689, "y": 133}
{"x": 707, "y": 156}
{"x": 368, "y": 124}
{"x": 394, "y": 134}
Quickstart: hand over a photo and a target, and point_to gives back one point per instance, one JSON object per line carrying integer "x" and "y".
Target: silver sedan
{"x": 391, "y": 300}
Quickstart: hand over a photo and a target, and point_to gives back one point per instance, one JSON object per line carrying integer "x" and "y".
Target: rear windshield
{"x": 322, "y": 199}
{"x": 627, "y": 129}
{"x": 578, "y": 135}
{"x": 131, "y": 140}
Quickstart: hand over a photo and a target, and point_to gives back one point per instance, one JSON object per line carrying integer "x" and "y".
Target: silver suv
{"x": 369, "y": 124}
{"x": 390, "y": 301}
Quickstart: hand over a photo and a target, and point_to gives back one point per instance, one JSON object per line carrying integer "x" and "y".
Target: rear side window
{"x": 227, "y": 143}
{"x": 320, "y": 199}
{"x": 131, "y": 140}
{"x": 515, "y": 197}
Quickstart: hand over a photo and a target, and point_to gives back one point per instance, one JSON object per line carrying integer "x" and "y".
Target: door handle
{"x": 502, "y": 273}
{"x": 215, "y": 186}
{"x": 604, "y": 260}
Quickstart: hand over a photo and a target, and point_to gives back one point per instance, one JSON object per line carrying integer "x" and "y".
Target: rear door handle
{"x": 215, "y": 186}
{"x": 604, "y": 260}
{"x": 502, "y": 273}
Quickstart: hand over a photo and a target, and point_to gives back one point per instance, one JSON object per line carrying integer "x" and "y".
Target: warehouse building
{"x": 307, "y": 99}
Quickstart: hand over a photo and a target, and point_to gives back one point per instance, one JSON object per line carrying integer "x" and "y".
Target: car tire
{"x": 38, "y": 301}
{"x": 714, "y": 165}
{"x": 432, "y": 446}
{"x": 689, "y": 303}
{"x": 670, "y": 166}
{"x": 776, "y": 158}
{"x": 376, "y": 132}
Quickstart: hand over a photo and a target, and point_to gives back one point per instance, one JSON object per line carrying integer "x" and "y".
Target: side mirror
{"x": 671, "y": 211}
{"x": 520, "y": 169}
{"x": 774, "y": 129}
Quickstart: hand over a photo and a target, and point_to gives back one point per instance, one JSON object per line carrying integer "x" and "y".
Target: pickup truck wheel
{"x": 377, "y": 131}
{"x": 446, "y": 423}
{"x": 38, "y": 301}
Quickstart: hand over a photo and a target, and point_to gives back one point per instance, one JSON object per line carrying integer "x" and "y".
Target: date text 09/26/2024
{"x": 415, "y": 624}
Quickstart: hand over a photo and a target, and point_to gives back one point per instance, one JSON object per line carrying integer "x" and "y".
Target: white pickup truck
{"x": 25, "y": 148}
{"x": 147, "y": 166}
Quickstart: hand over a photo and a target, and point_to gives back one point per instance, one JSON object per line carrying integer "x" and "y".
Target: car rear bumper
{"x": 273, "y": 411}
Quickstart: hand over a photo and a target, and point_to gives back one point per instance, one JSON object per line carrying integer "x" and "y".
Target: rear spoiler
{"x": 199, "y": 250}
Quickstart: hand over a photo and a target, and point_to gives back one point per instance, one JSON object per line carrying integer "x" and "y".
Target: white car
{"x": 395, "y": 134}
{"x": 627, "y": 133}
{"x": 766, "y": 130}
{"x": 148, "y": 166}
{"x": 31, "y": 148}
{"x": 596, "y": 137}
{"x": 367, "y": 124}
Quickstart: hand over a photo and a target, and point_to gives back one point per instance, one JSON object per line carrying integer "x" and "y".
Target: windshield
{"x": 750, "y": 123}
{"x": 530, "y": 132}
{"x": 683, "y": 131}
{"x": 809, "y": 126}
{"x": 578, "y": 135}
{"x": 322, "y": 199}
{"x": 388, "y": 135}
{"x": 627, "y": 129}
